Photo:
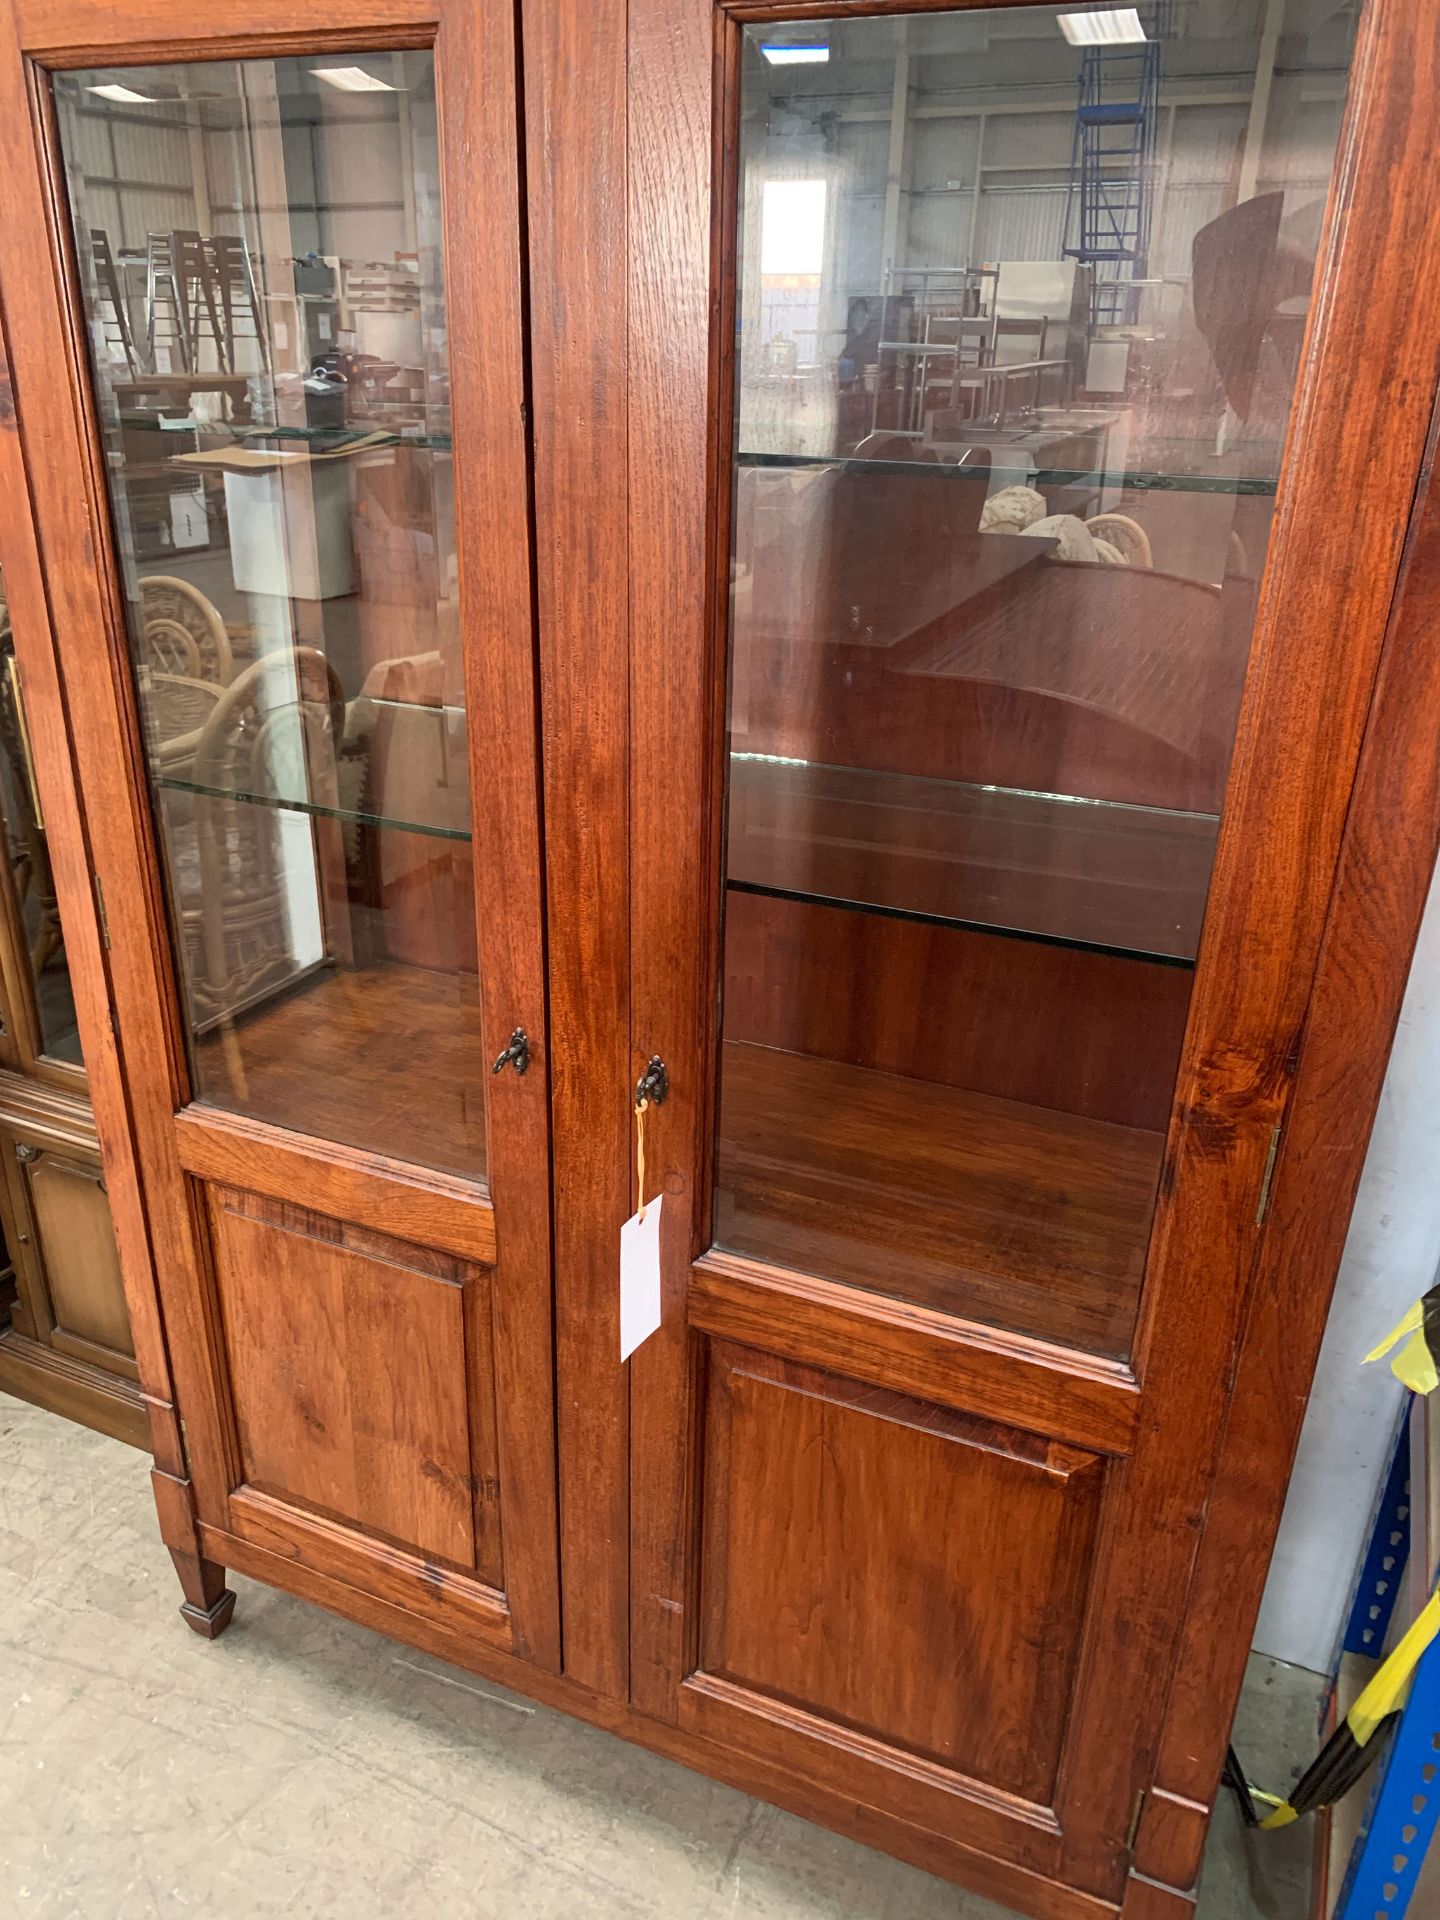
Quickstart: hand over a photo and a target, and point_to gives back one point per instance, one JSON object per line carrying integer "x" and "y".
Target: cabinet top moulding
{"x": 80, "y": 33}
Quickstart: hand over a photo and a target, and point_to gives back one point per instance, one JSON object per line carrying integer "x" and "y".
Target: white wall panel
{"x": 1021, "y": 225}
{"x": 1390, "y": 1258}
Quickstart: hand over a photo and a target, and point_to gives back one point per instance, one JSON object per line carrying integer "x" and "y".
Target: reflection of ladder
{"x": 234, "y": 284}
{"x": 1112, "y": 167}
{"x": 114, "y": 314}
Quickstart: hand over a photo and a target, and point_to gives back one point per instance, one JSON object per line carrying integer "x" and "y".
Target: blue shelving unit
{"x": 1373, "y": 1871}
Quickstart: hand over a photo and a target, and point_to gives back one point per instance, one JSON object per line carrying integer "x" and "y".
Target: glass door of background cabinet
{"x": 1028, "y": 435}
{"x": 302, "y": 417}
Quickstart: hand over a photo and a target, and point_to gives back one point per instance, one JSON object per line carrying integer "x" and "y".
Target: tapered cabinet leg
{"x": 1148, "y": 1900}
{"x": 208, "y": 1603}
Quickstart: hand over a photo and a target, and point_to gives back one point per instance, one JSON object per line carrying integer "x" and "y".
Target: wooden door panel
{"x": 77, "y": 1242}
{"x": 747, "y": 1628}
{"x": 907, "y": 1571}
{"x": 72, "y": 1296}
{"x": 298, "y": 1045}
{"x": 356, "y": 1362}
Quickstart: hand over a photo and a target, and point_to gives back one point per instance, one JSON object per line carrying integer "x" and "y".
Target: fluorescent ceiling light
{"x": 352, "y": 79}
{"x": 793, "y": 56}
{"x": 125, "y": 94}
{"x": 1112, "y": 29}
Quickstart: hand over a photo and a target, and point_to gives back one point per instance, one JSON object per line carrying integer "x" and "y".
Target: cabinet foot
{"x": 208, "y": 1602}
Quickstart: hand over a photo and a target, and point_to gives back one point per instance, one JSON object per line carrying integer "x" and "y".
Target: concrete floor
{"x": 305, "y": 1766}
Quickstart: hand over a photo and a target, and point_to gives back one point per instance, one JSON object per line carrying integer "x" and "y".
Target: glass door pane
{"x": 1021, "y": 296}
{"x": 261, "y": 258}
{"x": 36, "y": 935}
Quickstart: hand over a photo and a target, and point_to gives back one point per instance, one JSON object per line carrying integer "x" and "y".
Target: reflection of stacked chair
{"x": 273, "y": 734}
{"x": 234, "y": 284}
{"x": 177, "y": 279}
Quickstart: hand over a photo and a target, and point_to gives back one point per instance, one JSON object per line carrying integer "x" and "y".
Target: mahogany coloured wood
{"x": 664, "y": 163}
{"x": 818, "y": 1489}
{"x": 358, "y": 1365}
{"x": 1285, "y": 804}
{"x": 1018, "y": 1217}
{"x": 1387, "y": 867}
{"x": 350, "y": 1055}
{"x": 1016, "y": 1019}
{"x": 575, "y": 177}
{"x": 476, "y": 78}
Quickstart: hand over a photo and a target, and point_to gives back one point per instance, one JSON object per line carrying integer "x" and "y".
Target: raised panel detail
{"x": 77, "y": 1242}
{"x": 361, "y": 1373}
{"x": 905, "y": 1570}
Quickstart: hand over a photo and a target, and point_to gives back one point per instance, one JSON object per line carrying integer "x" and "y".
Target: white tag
{"x": 640, "y": 1278}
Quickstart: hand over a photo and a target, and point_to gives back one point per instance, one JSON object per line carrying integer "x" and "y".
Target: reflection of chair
{"x": 176, "y": 707}
{"x": 1127, "y": 536}
{"x": 182, "y": 632}
{"x": 272, "y": 735}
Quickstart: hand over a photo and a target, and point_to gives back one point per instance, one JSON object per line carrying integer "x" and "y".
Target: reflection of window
{"x": 792, "y": 227}
{"x": 792, "y": 246}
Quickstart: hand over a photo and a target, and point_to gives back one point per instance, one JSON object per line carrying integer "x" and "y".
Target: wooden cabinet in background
{"x": 65, "y": 1340}
{"x": 627, "y": 720}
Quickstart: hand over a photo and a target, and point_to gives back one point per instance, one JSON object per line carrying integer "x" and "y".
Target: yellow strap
{"x": 1387, "y": 1687}
{"x": 1283, "y": 1816}
{"x": 1414, "y": 1364}
{"x": 1409, "y": 1324}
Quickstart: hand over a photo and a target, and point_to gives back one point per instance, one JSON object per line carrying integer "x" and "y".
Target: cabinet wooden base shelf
{"x": 369, "y": 1056}
{"x": 96, "y": 1398}
{"x": 1017, "y": 1216}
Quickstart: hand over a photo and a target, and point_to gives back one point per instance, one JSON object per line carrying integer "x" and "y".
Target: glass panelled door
{"x": 1013, "y": 322}
{"x": 1020, "y": 304}
{"x": 307, "y": 426}
{"x": 273, "y": 384}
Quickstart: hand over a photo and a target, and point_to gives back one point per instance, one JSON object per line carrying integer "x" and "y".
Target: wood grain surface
{"x": 1016, "y": 1216}
{"x": 575, "y": 170}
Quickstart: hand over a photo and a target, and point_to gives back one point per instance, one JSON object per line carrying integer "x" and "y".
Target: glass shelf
{"x": 1112, "y": 876}
{"x": 1255, "y": 487}
{"x": 314, "y": 809}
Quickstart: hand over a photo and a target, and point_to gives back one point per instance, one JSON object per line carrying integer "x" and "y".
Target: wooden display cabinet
{"x": 1004, "y": 809}
{"x": 64, "y": 1329}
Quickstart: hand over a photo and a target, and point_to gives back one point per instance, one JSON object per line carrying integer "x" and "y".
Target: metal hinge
{"x": 1263, "y": 1206}
{"x": 1133, "y": 1834}
{"x": 100, "y": 909}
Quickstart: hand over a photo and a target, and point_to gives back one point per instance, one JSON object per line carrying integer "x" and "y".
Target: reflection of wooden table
{"x": 178, "y": 388}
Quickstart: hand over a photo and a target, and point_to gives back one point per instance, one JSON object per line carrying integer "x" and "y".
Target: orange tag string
{"x": 640, "y": 1106}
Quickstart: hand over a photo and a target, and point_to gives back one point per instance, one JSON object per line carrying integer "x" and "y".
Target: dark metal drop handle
{"x": 653, "y": 1086}
{"x": 516, "y": 1055}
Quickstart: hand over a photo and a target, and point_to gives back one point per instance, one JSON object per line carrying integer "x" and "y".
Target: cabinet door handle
{"x": 516, "y": 1055}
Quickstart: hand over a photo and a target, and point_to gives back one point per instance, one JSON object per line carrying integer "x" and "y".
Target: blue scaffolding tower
{"x": 1112, "y": 167}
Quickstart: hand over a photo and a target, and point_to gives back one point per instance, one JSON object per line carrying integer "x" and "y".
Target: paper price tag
{"x": 640, "y": 1277}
